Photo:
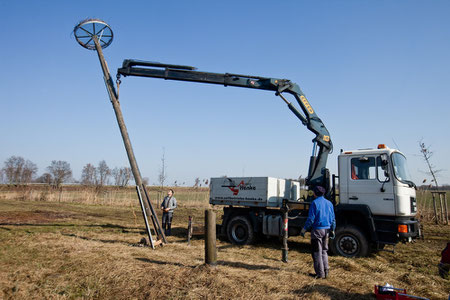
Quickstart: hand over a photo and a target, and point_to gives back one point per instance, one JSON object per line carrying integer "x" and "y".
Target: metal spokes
{"x": 86, "y": 30}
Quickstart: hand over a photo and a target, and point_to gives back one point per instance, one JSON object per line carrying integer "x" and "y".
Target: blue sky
{"x": 374, "y": 71}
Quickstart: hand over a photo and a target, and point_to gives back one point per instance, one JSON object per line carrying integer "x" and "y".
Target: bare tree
{"x": 427, "y": 154}
{"x": 29, "y": 171}
{"x": 103, "y": 173}
{"x": 89, "y": 175}
{"x": 122, "y": 176}
{"x": 145, "y": 181}
{"x": 2, "y": 176}
{"x": 162, "y": 171}
{"x": 45, "y": 178}
{"x": 197, "y": 182}
{"x": 12, "y": 168}
{"x": 60, "y": 171}
{"x": 19, "y": 170}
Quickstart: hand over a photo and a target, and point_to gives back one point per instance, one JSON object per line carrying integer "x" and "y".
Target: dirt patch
{"x": 34, "y": 217}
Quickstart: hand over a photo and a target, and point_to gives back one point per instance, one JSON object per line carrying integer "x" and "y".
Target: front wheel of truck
{"x": 240, "y": 231}
{"x": 350, "y": 242}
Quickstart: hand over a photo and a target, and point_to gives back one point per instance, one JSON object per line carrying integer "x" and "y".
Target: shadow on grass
{"x": 158, "y": 262}
{"x": 242, "y": 265}
{"x": 111, "y": 226}
{"x": 226, "y": 247}
{"x": 275, "y": 244}
{"x": 332, "y": 292}
{"x": 99, "y": 240}
{"x": 179, "y": 232}
{"x": 102, "y": 240}
{"x": 219, "y": 263}
{"x": 267, "y": 243}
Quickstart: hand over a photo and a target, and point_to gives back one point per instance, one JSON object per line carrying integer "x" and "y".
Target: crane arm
{"x": 317, "y": 173}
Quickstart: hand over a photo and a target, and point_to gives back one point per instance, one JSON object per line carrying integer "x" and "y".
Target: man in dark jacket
{"x": 322, "y": 223}
{"x": 168, "y": 205}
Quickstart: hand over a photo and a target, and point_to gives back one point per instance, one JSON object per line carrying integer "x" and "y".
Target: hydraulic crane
{"x": 318, "y": 174}
{"x": 372, "y": 212}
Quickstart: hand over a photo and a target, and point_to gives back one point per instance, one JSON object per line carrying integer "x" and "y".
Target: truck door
{"x": 369, "y": 183}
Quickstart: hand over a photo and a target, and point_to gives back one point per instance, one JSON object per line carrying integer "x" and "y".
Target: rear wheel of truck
{"x": 240, "y": 231}
{"x": 350, "y": 242}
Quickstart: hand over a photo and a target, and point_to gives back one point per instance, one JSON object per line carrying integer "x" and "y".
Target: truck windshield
{"x": 401, "y": 168}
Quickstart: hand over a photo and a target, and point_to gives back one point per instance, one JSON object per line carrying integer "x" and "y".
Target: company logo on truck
{"x": 235, "y": 188}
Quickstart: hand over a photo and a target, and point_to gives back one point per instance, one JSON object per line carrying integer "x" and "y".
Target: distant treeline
{"x": 18, "y": 170}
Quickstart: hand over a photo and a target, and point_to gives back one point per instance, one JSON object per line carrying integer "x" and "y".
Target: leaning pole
{"x": 95, "y": 34}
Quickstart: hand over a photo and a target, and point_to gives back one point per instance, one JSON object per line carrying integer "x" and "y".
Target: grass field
{"x": 68, "y": 250}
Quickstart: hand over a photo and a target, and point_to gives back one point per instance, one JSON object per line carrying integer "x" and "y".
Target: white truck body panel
{"x": 253, "y": 191}
{"x": 403, "y": 204}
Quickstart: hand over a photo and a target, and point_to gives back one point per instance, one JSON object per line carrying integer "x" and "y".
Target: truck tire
{"x": 240, "y": 231}
{"x": 350, "y": 242}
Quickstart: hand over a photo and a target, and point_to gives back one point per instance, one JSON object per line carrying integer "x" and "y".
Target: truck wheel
{"x": 240, "y": 231}
{"x": 350, "y": 242}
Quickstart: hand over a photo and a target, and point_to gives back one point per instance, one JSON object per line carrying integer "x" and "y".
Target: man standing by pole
{"x": 322, "y": 222}
{"x": 168, "y": 205}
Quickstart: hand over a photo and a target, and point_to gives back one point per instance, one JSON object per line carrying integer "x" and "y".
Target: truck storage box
{"x": 253, "y": 191}
{"x": 272, "y": 225}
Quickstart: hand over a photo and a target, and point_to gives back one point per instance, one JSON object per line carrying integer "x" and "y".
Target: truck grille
{"x": 413, "y": 204}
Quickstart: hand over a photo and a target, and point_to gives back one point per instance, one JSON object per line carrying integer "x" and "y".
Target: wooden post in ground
{"x": 446, "y": 208}
{"x": 443, "y": 214}
{"x": 189, "y": 230}
{"x": 210, "y": 238}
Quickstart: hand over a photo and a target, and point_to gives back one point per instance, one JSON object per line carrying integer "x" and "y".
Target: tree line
{"x": 17, "y": 170}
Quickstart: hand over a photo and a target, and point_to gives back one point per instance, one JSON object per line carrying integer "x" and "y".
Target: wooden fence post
{"x": 446, "y": 208}
{"x": 189, "y": 230}
{"x": 435, "y": 209}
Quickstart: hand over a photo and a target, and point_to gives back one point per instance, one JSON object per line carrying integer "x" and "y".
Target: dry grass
{"x": 70, "y": 250}
{"x": 107, "y": 195}
{"x": 115, "y": 196}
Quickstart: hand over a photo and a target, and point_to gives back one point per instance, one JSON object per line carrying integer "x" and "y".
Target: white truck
{"x": 375, "y": 205}
{"x": 375, "y": 200}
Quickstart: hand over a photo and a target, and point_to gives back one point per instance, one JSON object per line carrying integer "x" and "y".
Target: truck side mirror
{"x": 384, "y": 165}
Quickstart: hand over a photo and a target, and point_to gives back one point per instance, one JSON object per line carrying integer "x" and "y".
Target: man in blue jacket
{"x": 322, "y": 223}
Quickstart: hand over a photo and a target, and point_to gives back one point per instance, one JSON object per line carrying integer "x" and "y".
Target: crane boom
{"x": 318, "y": 174}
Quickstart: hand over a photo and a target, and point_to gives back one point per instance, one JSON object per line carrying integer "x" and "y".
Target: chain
{"x": 118, "y": 82}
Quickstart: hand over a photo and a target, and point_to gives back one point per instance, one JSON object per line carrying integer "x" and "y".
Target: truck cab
{"x": 376, "y": 198}
{"x": 378, "y": 178}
